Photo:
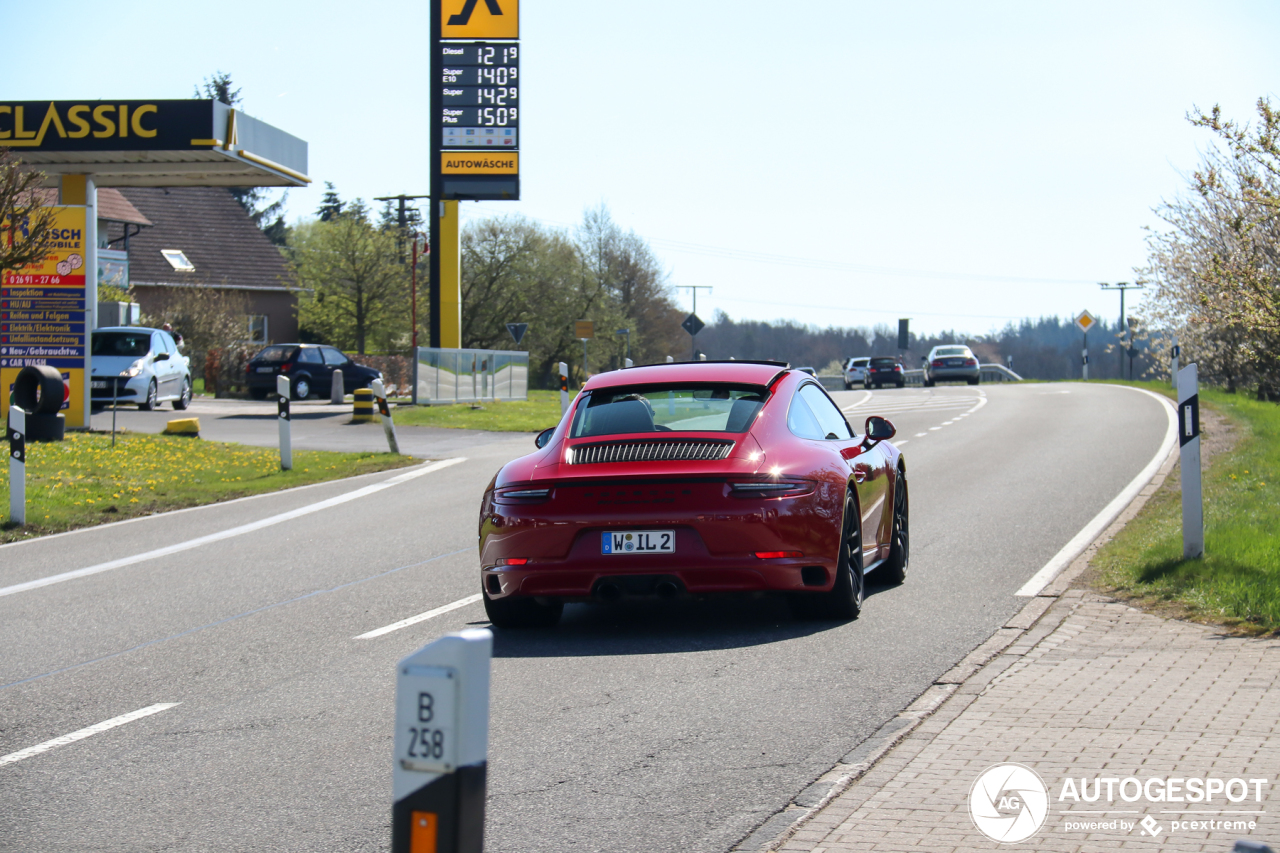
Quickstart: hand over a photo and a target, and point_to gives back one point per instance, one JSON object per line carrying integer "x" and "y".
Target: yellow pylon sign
{"x": 480, "y": 19}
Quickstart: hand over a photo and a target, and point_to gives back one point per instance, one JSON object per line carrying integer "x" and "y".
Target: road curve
{"x": 636, "y": 728}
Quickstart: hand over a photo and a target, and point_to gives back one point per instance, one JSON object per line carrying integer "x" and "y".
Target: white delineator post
{"x": 439, "y": 774}
{"x": 17, "y": 465}
{"x": 1177, "y": 353}
{"x": 1189, "y": 438}
{"x": 564, "y": 388}
{"x": 286, "y": 436}
{"x": 670, "y": 359}
{"x": 388, "y": 426}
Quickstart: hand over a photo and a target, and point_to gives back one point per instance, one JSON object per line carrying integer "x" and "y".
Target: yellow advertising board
{"x": 479, "y": 163}
{"x": 42, "y": 313}
{"x": 584, "y": 329}
{"x": 480, "y": 19}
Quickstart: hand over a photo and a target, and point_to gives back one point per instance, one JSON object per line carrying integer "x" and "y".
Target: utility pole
{"x": 407, "y": 216}
{"x": 693, "y": 356}
{"x": 1122, "y": 286}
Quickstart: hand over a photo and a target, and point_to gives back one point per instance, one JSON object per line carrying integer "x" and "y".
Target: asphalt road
{"x": 637, "y": 728}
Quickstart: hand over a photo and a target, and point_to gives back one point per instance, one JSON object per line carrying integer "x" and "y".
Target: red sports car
{"x": 693, "y": 479}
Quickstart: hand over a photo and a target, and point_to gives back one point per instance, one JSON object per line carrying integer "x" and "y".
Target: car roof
{"x": 147, "y": 329}
{"x": 743, "y": 372}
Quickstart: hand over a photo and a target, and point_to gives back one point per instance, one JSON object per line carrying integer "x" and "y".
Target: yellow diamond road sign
{"x": 480, "y": 19}
{"x": 1086, "y": 321}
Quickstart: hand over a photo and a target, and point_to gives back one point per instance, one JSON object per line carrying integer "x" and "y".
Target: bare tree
{"x": 26, "y": 223}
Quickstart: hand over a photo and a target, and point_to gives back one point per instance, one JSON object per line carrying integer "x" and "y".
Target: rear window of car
{"x": 129, "y": 344}
{"x": 685, "y": 408}
{"x": 275, "y": 354}
{"x": 953, "y": 351}
{"x": 883, "y": 362}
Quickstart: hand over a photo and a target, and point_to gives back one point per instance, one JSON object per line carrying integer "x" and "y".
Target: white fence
{"x": 442, "y": 376}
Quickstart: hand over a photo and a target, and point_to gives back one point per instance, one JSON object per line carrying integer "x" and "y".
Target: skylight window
{"x": 178, "y": 260}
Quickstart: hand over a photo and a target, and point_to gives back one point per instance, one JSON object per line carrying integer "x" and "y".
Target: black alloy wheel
{"x": 521, "y": 613}
{"x": 844, "y": 601}
{"x": 894, "y": 570}
{"x": 153, "y": 398}
{"x": 184, "y": 399}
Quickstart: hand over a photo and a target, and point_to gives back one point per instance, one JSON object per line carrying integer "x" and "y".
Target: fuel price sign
{"x": 479, "y": 95}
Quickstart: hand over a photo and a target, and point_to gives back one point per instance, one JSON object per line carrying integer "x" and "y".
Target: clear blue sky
{"x": 829, "y": 161}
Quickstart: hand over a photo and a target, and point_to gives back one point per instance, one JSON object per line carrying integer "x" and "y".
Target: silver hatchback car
{"x": 950, "y": 363}
{"x": 134, "y": 364}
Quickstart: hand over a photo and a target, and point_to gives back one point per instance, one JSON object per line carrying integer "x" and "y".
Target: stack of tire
{"x": 40, "y": 392}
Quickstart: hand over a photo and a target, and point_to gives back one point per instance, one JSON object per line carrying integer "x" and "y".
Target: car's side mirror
{"x": 544, "y": 437}
{"x": 162, "y": 356}
{"x": 879, "y": 429}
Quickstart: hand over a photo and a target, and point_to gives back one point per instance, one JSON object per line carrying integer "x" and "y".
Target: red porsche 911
{"x": 695, "y": 479}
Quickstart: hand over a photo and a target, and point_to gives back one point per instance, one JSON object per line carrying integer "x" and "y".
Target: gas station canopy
{"x": 152, "y": 143}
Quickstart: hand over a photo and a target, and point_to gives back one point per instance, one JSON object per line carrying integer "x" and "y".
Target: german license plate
{"x": 265, "y": 369}
{"x": 98, "y": 383}
{"x": 638, "y": 542}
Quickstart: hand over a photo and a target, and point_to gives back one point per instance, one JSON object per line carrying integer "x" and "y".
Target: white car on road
{"x": 855, "y": 370}
{"x": 134, "y": 364}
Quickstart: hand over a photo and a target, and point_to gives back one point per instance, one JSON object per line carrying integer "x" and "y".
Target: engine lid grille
{"x": 649, "y": 451}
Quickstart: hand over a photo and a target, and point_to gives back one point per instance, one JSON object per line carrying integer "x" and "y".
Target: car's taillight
{"x": 513, "y": 561}
{"x": 248, "y": 368}
{"x": 937, "y": 362}
{"x": 771, "y": 488}
{"x": 777, "y": 555}
{"x": 284, "y": 368}
{"x": 523, "y": 496}
{"x": 971, "y": 362}
{"x": 897, "y": 368}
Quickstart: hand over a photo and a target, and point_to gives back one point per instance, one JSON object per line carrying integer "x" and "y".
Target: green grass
{"x": 540, "y": 411}
{"x": 84, "y": 481}
{"x": 1237, "y": 582}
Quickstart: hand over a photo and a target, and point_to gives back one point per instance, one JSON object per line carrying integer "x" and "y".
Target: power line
{"x": 726, "y": 253}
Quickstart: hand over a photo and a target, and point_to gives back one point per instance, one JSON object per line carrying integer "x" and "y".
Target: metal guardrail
{"x": 444, "y": 376}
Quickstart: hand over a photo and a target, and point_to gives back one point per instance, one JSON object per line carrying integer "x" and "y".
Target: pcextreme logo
{"x": 484, "y": 19}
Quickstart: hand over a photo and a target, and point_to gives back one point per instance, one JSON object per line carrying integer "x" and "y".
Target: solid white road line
{"x": 229, "y": 533}
{"x": 866, "y": 397}
{"x": 421, "y": 617}
{"x": 14, "y": 757}
{"x": 1103, "y": 520}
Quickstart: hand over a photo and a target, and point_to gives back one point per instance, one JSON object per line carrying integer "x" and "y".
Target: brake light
{"x": 777, "y": 555}
{"x": 248, "y": 368}
{"x": 971, "y": 362}
{"x": 771, "y": 488}
{"x": 522, "y": 495}
{"x": 897, "y": 368}
{"x": 513, "y": 561}
{"x": 937, "y": 362}
{"x": 284, "y": 368}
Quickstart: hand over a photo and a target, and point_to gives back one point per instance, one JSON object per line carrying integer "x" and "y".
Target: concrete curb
{"x": 952, "y": 692}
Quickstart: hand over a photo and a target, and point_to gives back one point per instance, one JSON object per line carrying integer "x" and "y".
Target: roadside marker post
{"x": 17, "y": 465}
{"x": 629, "y": 363}
{"x": 670, "y": 359}
{"x": 1189, "y": 439}
{"x": 388, "y": 426}
{"x": 564, "y": 388}
{"x": 286, "y": 436}
{"x": 442, "y": 745}
{"x": 1177, "y": 353}
{"x": 337, "y": 389}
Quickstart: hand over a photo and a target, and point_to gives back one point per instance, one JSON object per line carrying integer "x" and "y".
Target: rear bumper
{"x": 944, "y": 373}
{"x": 716, "y": 539}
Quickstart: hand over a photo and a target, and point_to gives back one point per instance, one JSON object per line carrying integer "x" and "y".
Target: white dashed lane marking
{"x": 99, "y": 728}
